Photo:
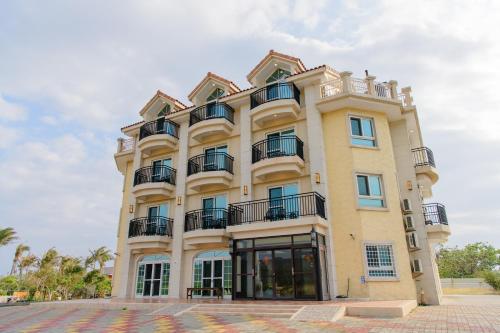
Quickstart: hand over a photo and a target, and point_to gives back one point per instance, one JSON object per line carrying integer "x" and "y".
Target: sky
{"x": 72, "y": 73}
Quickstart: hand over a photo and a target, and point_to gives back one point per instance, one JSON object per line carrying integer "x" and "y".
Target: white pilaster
{"x": 125, "y": 282}
{"x": 176, "y": 260}
{"x": 246, "y": 152}
{"x": 317, "y": 162}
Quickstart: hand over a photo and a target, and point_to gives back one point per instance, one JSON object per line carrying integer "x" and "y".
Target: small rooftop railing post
{"x": 120, "y": 145}
{"x": 393, "y": 86}
{"x": 345, "y": 77}
{"x": 370, "y": 83}
{"x": 405, "y": 97}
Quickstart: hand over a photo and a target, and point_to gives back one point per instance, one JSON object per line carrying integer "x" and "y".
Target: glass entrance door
{"x": 264, "y": 274}
{"x": 152, "y": 279}
{"x": 212, "y": 276}
{"x": 304, "y": 265}
{"x": 244, "y": 275}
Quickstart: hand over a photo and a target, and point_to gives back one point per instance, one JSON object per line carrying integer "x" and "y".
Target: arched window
{"x": 278, "y": 75}
{"x": 218, "y": 92}
{"x": 164, "y": 111}
{"x": 153, "y": 273}
{"x": 212, "y": 269}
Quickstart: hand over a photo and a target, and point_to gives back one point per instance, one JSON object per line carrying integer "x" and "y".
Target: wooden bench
{"x": 218, "y": 291}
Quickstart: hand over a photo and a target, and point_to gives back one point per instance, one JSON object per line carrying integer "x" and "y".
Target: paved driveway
{"x": 471, "y": 300}
{"x": 446, "y": 318}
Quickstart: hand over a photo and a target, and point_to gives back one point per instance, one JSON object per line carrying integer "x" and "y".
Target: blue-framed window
{"x": 370, "y": 191}
{"x": 362, "y": 131}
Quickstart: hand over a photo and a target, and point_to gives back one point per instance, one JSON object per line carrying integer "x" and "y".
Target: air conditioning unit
{"x": 412, "y": 240}
{"x": 409, "y": 225}
{"x": 417, "y": 266}
{"x": 406, "y": 206}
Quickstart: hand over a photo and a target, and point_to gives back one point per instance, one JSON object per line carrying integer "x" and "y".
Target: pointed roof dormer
{"x": 210, "y": 88}
{"x": 274, "y": 64}
{"x": 160, "y": 105}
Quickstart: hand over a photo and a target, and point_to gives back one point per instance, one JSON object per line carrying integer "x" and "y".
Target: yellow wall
{"x": 343, "y": 161}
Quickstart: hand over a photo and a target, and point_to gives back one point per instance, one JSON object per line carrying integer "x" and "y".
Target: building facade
{"x": 312, "y": 184}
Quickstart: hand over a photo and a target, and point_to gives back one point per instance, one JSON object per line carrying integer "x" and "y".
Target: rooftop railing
{"x": 125, "y": 145}
{"x": 347, "y": 84}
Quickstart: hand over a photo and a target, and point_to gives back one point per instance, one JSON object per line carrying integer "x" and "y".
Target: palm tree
{"x": 26, "y": 262}
{"x": 20, "y": 249}
{"x": 102, "y": 256}
{"x": 7, "y": 235}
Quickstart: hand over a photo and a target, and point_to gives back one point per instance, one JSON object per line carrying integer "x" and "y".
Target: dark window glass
{"x": 363, "y": 185}
{"x": 356, "y": 126}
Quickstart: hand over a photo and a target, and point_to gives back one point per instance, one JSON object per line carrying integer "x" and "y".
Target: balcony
{"x": 153, "y": 232}
{"x": 278, "y": 158}
{"x": 211, "y": 120}
{"x": 154, "y": 183}
{"x": 205, "y": 226}
{"x": 124, "y": 153}
{"x": 275, "y": 103}
{"x": 366, "y": 94}
{"x": 290, "y": 214}
{"x": 436, "y": 222}
{"x": 425, "y": 168}
{"x": 210, "y": 171}
{"x": 160, "y": 135}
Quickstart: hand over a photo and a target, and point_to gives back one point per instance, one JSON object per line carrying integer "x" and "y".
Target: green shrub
{"x": 493, "y": 279}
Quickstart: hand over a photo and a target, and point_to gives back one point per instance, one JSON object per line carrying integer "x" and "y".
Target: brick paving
{"x": 446, "y": 318}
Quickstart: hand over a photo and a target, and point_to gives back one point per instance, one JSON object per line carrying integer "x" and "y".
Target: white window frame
{"x": 362, "y": 137}
{"x": 375, "y": 197}
{"x": 381, "y": 268}
{"x": 212, "y": 259}
{"x": 138, "y": 263}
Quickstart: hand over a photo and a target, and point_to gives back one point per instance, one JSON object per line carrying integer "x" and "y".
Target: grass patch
{"x": 469, "y": 291}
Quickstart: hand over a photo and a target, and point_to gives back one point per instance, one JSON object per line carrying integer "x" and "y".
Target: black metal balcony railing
{"x": 155, "y": 174}
{"x": 272, "y": 92}
{"x": 150, "y": 226}
{"x": 159, "y": 126}
{"x": 277, "y": 147}
{"x": 282, "y": 208}
{"x": 423, "y": 156}
{"x": 213, "y": 218}
{"x": 210, "y": 162}
{"x": 435, "y": 213}
{"x": 211, "y": 111}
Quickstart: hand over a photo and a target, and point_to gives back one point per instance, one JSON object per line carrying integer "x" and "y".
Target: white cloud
{"x": 11, "y": 111}
{"x": 8, "y": 136}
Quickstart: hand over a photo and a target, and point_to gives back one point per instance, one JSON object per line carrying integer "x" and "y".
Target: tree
{"x": 8, "y": 285}
{"x": 7, "y": 235}
{"x": 101, "y": 256}
{"x": 20, "y": 249}
{"x": 467, "y": 262}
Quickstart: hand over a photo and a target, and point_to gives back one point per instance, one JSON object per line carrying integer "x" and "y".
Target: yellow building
{"x": 309, "y": 185}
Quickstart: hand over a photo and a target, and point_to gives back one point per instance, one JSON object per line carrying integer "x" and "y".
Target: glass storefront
{"x": 283, "y": 267}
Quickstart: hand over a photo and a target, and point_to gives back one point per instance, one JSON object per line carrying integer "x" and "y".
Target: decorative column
{"x": 176, "y": 260}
